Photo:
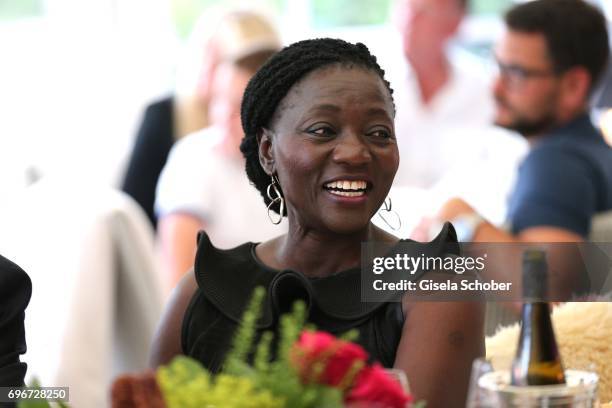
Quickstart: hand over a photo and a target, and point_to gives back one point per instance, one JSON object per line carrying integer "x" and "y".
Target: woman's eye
{"x": 321, "y": 131}
{"x": 381, "y": 133}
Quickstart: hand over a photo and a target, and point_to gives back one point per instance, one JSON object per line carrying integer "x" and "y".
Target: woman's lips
{"x": 348, "y": 191}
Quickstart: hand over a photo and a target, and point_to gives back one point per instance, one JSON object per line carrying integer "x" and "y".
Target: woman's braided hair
{"x": 275, "y": 78}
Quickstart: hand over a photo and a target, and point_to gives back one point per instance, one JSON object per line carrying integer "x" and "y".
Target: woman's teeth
{"x": 347, "y": 188}
{"x": 347, "y": 193}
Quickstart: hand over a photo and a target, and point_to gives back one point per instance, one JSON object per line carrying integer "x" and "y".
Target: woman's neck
{"x": 317, "y": 254}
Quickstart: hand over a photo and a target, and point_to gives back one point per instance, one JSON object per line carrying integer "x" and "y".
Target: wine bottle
{"x": 537, "y": 360}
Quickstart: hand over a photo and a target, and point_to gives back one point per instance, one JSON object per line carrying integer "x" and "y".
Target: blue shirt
{"x": 565, "y": 179}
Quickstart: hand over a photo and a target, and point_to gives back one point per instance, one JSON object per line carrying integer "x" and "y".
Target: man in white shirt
{"x": 444, "y": 120}
{"x": 432, "y": 95}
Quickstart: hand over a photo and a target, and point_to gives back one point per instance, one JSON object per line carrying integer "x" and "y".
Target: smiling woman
{"x": 320, "y": 147}
{"x": 333, "y": 149}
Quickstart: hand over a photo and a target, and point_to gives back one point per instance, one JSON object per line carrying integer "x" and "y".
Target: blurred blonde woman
{"x": 217, "y": 37}
{"x": 202, "y": 185}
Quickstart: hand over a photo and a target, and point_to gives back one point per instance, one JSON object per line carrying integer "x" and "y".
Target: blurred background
{"x": 75, "y": 79}
{"x": 76, "y": 75}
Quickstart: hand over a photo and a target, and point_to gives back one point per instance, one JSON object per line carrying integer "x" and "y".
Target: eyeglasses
{"x": 516, "y": 76}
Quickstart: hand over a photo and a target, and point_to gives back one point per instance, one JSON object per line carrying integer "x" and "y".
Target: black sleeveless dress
{"x": 226, "y": 279}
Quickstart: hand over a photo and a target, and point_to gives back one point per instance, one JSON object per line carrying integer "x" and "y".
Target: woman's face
{"x": 224, "y": 109}
{"x": 333, "y": 148}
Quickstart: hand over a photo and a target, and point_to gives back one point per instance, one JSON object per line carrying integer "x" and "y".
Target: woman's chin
{"x": 349, "y": 226}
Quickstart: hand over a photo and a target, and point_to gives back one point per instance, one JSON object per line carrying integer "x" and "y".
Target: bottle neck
{"x": 535, "y": 310}
{"x": 537, "y": 330}
{"x": 535, "y": 277}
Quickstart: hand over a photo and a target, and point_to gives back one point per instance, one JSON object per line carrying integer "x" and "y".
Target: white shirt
{"x": 198, "y": 180}
{"x": 436, "y": 137}
{"x": 450, "y": 147}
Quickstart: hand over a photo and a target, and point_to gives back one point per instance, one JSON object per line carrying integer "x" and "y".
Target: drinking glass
{"x": 491, "y": 388}
{"x": 399, "y": 376}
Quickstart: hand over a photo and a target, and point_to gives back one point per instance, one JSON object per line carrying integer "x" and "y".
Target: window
{"x": 19, "y": 9}
{"x": 185, "y": 13}
{"x": 334, "y": 13}
{"x": 489, "y": 7}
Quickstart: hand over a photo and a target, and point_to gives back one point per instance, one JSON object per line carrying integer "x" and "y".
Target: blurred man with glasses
{"x": 550, "y": 58}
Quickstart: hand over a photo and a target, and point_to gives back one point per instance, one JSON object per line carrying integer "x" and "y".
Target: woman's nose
{"x": 352, "y": 149}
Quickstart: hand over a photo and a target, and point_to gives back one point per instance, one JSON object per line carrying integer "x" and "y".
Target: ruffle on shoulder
{"x": 228, "y": 277}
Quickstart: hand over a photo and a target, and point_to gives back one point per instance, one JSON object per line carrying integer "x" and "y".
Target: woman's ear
{"x": 266, "y": 153}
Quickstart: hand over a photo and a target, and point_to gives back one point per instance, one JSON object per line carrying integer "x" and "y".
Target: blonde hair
{"x": 218, "y": 36}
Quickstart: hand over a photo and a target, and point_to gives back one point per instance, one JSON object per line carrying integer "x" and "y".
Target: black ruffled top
{"x": 226, "y": 279}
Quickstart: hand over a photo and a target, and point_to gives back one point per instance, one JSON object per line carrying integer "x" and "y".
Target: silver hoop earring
{"x": 388, "y": 208}
{"x": 273, "y": 189}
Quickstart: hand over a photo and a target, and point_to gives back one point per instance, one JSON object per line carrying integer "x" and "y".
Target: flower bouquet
{"x": 311, "y": 369}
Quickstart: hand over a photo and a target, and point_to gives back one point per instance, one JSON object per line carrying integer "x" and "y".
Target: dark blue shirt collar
{"x": 581, "y": 126}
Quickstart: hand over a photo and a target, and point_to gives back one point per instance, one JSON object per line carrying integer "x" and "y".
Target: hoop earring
{"x": 388, "y": 207}
{"x": 273, "y": 189}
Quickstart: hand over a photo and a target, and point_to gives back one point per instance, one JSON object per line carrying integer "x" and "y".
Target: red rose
{"x": 322, "y": 358}
{"x": 373, "y": 387}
